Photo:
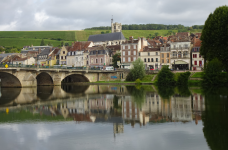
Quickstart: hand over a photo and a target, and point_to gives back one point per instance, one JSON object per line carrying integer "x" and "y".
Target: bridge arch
{"x": 9, "y": 80}
{"x": 44, "y": 79}
{"x": 72, "y": 78}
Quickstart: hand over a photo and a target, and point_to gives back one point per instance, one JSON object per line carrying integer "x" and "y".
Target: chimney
{"x": 142, "y": 43}
{"x": 39, "y": 51}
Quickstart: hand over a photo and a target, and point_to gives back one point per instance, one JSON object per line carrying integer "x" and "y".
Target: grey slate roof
{"x": 106, "y": 37}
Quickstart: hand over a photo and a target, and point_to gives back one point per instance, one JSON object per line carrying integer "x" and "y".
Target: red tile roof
{"x": 197, "y": 43}
{"x": 149, "y": 49}
{"x": 79, "y": 46}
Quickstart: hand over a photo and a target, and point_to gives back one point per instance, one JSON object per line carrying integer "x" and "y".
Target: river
{"x": 113, "y": 117}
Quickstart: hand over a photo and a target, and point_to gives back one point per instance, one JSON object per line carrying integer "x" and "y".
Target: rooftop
{"x": 106, "y": 37}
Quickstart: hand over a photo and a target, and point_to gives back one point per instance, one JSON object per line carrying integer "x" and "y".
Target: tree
{"x": 62, "y": 43}
{"x": 116, "y": 58}
{"x": 66, "y": 44}
{"x": 156, "y": 33}
{"x": 42, "y": 43}
{"x": 165, "y": 77}
{"x": 214, "y": 36}
{"x": 137, "y": 72}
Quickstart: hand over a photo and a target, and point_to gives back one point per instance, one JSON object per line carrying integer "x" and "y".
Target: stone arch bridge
{"x": 31, "y": 77}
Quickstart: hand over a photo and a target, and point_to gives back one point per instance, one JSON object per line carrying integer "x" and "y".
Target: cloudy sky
{"x": 16, "y": 15}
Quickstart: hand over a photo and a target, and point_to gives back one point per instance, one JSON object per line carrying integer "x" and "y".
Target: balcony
{"x": 180, "y": 48}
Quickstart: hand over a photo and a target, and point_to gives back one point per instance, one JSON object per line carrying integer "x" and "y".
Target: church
{"x": 114, "y": 38}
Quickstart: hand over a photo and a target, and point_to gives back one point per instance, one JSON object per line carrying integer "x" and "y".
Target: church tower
{"x": 116, "y": 27}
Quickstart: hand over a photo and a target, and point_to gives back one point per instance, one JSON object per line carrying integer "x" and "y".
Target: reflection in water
{"x": 8, "y": 95}
{"x": 215, "y": 118}
{"x": 121, "y": 107}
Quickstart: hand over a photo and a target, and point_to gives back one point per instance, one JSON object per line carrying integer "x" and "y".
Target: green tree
{"x": 102, "y": 32}
{"x": 214, "y": 36}
{"x": 165, "y": 77}
{"x": 137, "y": 72}
{"x": 183, "y": 79}
{"x": 116, "y": 58}
{"x": 66, "y": 44}
{"x": 213, "y": 73}
{"x": 42, "y": 43}
{"x": 156, "y": 33}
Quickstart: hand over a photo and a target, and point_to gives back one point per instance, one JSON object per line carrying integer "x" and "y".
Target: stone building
{"x": 165, "y": 55}
{"x": 197, "y": 59}
{"x": 180, "y": 52}
{"x": 130, "y": 51}
{"x": 77, "y": 55}
{"x": 99, "y": 56}
{"x": 116, "y": 27}
{"x": 151, "y": 57}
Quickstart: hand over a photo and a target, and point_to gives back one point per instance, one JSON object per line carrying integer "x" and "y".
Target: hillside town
{"x": 179, "y": 51}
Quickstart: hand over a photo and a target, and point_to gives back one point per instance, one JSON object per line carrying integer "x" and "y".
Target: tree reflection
{"x": 215, "y": 118}
{"x": 165, "y": 91}
{"x": 184, "y": 91}
{"x": 138, "y": 93}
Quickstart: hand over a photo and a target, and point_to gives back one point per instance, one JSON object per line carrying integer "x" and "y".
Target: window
{"x": 152, "y": 60}
{"x": 134, "y": 58}
{"x": 162, "y": 60}
{"x": 148, "y": 59}
{"x": 123, "y": 59}
{"x": 123, "y": 53}
{"x": 69, "y": 53}
{"x": 101, "y": 60}
{"x": 167, "y": 60}
{"x": 65, "y": 57}
{"x": 129, "y": 52}
{"x": 134, "y": 52}
{"x": 148, "y": 53}
{"x": 129, "y": 59}
{"x": 123, "y": 47}
{"x": 199, "y": 56}
{"x": 128, "y": 46}
{"x": 162, "y": 55}
{"x": 96, "y": 61}
{"x": 156, "y": 59}
{"x": 134, "y": 46}
{"x": 61, "y": 57}
{"x": 144, "y": 59}
{"x": 174, "y": 54}
{"x": 195, "y": 62}
{"x": 185, "y": 53}
{"x": 92, "y": 61}
{"x": 139, "y": 54}
{"x": 167, "y": 54}
{"x": 156, "y": 53}
{"x": 179, "y": 54}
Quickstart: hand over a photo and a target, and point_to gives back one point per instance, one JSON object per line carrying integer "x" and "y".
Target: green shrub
{"x": 166, "y": 77}
{"x": 213, "y": 74}
{"x": 137, "y": 72}
{"x": 183, "y": 78}
{"x": 138, "y": 81}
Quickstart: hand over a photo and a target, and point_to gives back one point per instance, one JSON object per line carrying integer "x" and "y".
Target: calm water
{"x": 113, "y": 117}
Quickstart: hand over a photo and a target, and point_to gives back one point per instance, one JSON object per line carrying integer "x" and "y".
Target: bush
{"x": 138, "y": 81}
{"x": 166, "y": 77}
{"x": 138, "y": 71}
{"x": 183, "y": 78}
{"x": 213, "y": 74}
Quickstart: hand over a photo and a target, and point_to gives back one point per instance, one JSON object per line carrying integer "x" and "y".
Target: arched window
{"x": 96, "y": 60}
{"x": 174, "y": 54}
{"x": 101, "y": 60}
{"x": 92, "y": 61}
{"x": 179, "y": 54}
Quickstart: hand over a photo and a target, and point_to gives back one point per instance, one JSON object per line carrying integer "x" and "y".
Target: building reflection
{"x": 109, "y": 104}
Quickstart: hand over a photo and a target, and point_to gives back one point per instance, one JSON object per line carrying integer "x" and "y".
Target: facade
{"x": 151, "y": 57}
{"x": 43, "y": 56}
{"x": 107, "y": 39}
{"x": 52, "y": 58}
{"x": 197, "y": 60}
{"x": 24, "y": 61}
{"x": 180, "y": 53}
{"x": 165, "y": 55}
{"x": 130, "y": 51}
{"x": 116, "y": 27}
{"x": 99, "y": 56}
{"x": 63, "y": 55}
{"x": 114, "y": 49}
{"x": 77, "y": 55}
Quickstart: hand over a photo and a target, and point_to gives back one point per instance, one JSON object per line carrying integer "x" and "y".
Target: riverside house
{"x": 197, "y": 60}
{"x": 77, "y": 55}
{"x": 130, "y": 51}
{"x": 180, "y": 52}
